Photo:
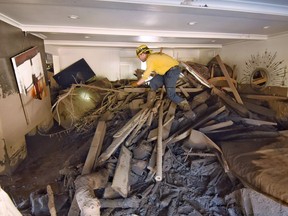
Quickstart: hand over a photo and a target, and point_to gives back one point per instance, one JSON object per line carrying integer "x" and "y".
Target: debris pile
{"x": 147, "y": 158}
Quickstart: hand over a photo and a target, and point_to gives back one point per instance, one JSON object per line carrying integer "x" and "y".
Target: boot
{"x": 185, "y": 106}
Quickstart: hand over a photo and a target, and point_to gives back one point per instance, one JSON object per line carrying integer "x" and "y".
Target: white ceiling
{"x": 159, "y": 23}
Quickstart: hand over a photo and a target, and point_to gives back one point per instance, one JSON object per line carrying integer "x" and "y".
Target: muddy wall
{"x": 19, "y": 114}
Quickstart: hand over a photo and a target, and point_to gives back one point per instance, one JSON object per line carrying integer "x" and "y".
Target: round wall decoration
{"x": 263, "y": 70}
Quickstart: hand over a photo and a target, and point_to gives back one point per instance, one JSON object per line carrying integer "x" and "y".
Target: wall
{"x": 238, "y": 54}
{"x": 19, "y": 114}
{"x": 113, "y": 63}
{"x": 119, "y": 63}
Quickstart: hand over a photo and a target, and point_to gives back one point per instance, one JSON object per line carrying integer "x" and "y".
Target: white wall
{"x": 120, "y": 63}
{"x": 238, "y": 54}
{"x": 105, "y": 62}
{"x": 113, "y": 63}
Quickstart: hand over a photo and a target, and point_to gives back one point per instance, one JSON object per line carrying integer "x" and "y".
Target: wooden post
{"x": 158, "y": 176}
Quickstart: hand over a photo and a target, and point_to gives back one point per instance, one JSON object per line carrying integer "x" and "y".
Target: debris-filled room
{"x": 143, "y": 128}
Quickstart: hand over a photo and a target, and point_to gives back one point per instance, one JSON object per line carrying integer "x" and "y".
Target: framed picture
{"x": 29, "y": 73}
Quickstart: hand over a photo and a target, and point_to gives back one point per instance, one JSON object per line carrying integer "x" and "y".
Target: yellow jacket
{"x": 159, "y": 63}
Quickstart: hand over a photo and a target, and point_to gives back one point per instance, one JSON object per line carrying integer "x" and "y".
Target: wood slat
{"x": 229, "y": 80}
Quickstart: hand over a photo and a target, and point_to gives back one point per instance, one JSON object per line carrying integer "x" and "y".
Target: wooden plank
{"x": 140, "y": 125}
{"x": 188, "y": 77}
{"x": 121, "y": 177}
{"x": 95, "y": 148}
{"x": 177, "y": 136}
{"x": 130, "y": 123}
{"x": 260, "y": 109}
{"x": 166, "y": 126}
{"x": 216, "y": 126}
{"x": 199, "y": 110}
{"x": 260, "y": 81}
{"x": 120, "y": 136}
{"x": 220, "y": 81}
{"x": 229, "y": 80}
{"x": 184, "y": 92}
{"x": 257, "y": 122}
{"x": 169, "y": 119}
{"x": 207, "y": 118}
{"x": 92, "y": 156}
{"x": 264, "y": 97}
{"x": 269, "y": 90}
{"x": 239, "y": 108}
{"x": 199, "y": 99}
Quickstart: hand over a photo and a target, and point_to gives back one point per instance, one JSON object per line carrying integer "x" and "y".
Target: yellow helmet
{"x": 142, "y": 49}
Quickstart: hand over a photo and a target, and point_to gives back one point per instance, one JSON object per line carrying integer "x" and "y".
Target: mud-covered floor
{"x": 191, "y": 185}
{"x": 46, "y": 156}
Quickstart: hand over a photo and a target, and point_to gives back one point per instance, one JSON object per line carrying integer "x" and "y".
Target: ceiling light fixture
{"x": 192, "y": 23}
{"x": 213, "y": 41}
{"x": 266, "y": 27}
{"x": 87, "y": 36}
{"x": 148, "y": 39}
{"x": 73, "y": 17}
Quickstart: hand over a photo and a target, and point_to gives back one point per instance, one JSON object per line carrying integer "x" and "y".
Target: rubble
{"x": 147, "y": 158}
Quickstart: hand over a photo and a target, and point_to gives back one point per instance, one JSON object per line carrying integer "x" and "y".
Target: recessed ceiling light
{"x": 148, "y": 39}
{"x": 266, "y": 27}
{"x": 192, "y": 23}
{"x": 87, "y": 36}
{"x": 213, "y": 41}
{"x": 73, "y": 17}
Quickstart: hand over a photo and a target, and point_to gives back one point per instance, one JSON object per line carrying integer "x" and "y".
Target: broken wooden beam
{"x": 120, "y": 136}
{"x": 208, "y": 117}
{"x": 95, "y": 148}
{"x": 121, "y": 177}
{"x": 216, "y": 126}
{"x": 261, "y": 110}
{"x": 90, "y": 161}
{"x": 229, "y": 80}
{"x": 238, "y": 108}
{"x": 200, "y": 99}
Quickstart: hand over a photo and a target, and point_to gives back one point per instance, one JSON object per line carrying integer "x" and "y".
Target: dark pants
{"x": 169, "y": 80}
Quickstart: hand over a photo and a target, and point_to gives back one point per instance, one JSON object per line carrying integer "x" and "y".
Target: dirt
{"x": 46, "y": 156}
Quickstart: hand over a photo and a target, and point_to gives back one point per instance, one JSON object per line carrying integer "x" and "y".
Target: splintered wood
{"x": 150, "y": 153}
{"x": 121, "y": 177}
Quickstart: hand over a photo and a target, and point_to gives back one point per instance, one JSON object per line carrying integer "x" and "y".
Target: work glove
{"x": 134, "y": 84}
